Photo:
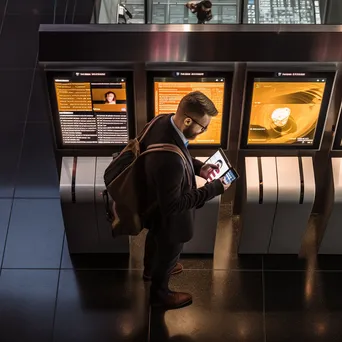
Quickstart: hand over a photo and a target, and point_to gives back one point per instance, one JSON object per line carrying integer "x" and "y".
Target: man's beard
{"x": 189, "y": 134}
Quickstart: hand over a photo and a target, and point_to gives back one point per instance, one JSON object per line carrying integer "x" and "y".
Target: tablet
{"x": 225, "y": 168}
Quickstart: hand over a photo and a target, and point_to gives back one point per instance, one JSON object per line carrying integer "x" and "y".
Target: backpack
{"x": 126, "y": 213}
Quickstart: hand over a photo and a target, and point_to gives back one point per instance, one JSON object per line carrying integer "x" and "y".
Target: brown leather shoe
{"x": 173, "y": 300}
{"x": 177, "y": 269}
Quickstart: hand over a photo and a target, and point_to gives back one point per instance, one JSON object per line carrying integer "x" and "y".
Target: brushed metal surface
{"x": 337, "y": 176}
{"x": 288, "y": 179}
{"x": 85, "y": 179}
{"x": 66, "y": 179}
{"x": 196, "y": 43}
{"x": 140, "y": 96}
{"x": 291, "y": 217}
{"x": 331, "y": 242}
{"x": 309, "y": 180}
{"x": 269, "y": 178}
{"x": 257, "y": 219}
{"x": 252, "y": 180}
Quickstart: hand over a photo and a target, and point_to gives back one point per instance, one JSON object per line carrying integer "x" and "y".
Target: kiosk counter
{"x": 93, "y": 117}
{"x": 284, "y": 111}
{"x": 166, "y": 89}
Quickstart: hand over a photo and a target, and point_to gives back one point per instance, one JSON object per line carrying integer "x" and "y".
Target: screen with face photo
{"x": 168, "y": 92}
{"x": 218, "y": 160}
{"x": 92, "y": 109}
{"x": 285, "y": 111}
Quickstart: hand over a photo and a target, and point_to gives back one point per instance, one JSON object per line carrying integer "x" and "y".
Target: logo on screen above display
{"x": 89, "y": 74}
{"x": 195, "y": 74}
{"x": 291, "y": 74}
{"x": 189, "y": 74}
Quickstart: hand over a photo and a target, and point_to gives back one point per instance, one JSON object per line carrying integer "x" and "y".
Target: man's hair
{"x": 197, "y": 103}
{"x": 110, "y": 92}
{"x": 206, "y": 3}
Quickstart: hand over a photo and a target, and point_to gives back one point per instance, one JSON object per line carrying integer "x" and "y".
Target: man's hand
{"x": 207, "y": 170}
{"x": 225, "y": 185}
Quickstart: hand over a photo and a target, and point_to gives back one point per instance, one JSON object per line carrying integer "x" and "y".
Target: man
{"x": 202, "y": 10}
{"x": 171, "y": 224}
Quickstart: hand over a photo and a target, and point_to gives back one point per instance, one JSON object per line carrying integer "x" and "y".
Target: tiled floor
{"x": 45, "y": 296}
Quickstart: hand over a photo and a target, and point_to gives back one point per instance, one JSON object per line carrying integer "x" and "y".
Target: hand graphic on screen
{"x": 215, "y": 171}
{"x": 207, "y": 170}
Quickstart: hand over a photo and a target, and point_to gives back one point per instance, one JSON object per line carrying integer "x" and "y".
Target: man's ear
{"x": 187, "y": 122}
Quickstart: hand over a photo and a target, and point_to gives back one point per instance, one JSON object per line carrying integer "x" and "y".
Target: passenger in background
{"x": 202, "y": 9}
{"x": 176, "y": 196}
{"x": 123, "y": 11}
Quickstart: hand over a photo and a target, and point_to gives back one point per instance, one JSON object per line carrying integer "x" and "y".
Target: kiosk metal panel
{"x": 66, "y": 179}
{"x": 296, "y": 194}
{"x": 332, "y": 239}
{"x": 309, "y": 180}
{"x": 259, "y": 206}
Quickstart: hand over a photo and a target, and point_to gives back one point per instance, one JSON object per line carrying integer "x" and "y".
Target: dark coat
{"x": 166, "y": 183}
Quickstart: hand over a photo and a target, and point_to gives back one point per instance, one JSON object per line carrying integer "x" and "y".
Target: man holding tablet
{"x": 171, "y": 183}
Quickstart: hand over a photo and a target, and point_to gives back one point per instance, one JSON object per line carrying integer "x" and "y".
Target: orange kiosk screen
{"x": 168, "y": 94}
{"x": 285, "y": 112}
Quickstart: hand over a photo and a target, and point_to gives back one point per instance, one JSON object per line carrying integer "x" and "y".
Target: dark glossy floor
{"x": 45, "y": 296}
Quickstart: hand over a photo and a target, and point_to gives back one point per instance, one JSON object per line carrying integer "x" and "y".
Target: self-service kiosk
{"x": 92, "y": 118}
{"x": 165, "y": 90}
{"x": 284, "y": 111}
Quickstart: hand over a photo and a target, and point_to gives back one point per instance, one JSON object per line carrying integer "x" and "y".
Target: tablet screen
{"x": 230, "y": 177}
{"x": 219, "y": 160}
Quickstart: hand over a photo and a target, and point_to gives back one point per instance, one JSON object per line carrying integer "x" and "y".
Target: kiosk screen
{"x": 169, "y": 91}
{"x": 285, "y": 111}
{"x": 92, "y": 109}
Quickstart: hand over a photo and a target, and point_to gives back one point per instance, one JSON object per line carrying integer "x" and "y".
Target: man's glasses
{"x": 203, "y": 128}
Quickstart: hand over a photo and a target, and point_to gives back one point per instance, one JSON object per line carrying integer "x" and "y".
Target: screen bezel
{"x": 237, "y": 176}
{"x": 338, "y": 134}
{"x": 53, "y": 73}
{"x": 251, "y": 76}
{"x": 228, "y": 76}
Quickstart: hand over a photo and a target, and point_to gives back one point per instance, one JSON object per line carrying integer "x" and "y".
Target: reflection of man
{"x": 110, "y": 98}
{"x": 202, "y": 9}
{"x": 215, "y": 172}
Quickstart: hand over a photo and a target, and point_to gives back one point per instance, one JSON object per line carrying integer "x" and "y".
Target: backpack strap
{"x": 146, "y": 129}
{"x": 170, "y": 148}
